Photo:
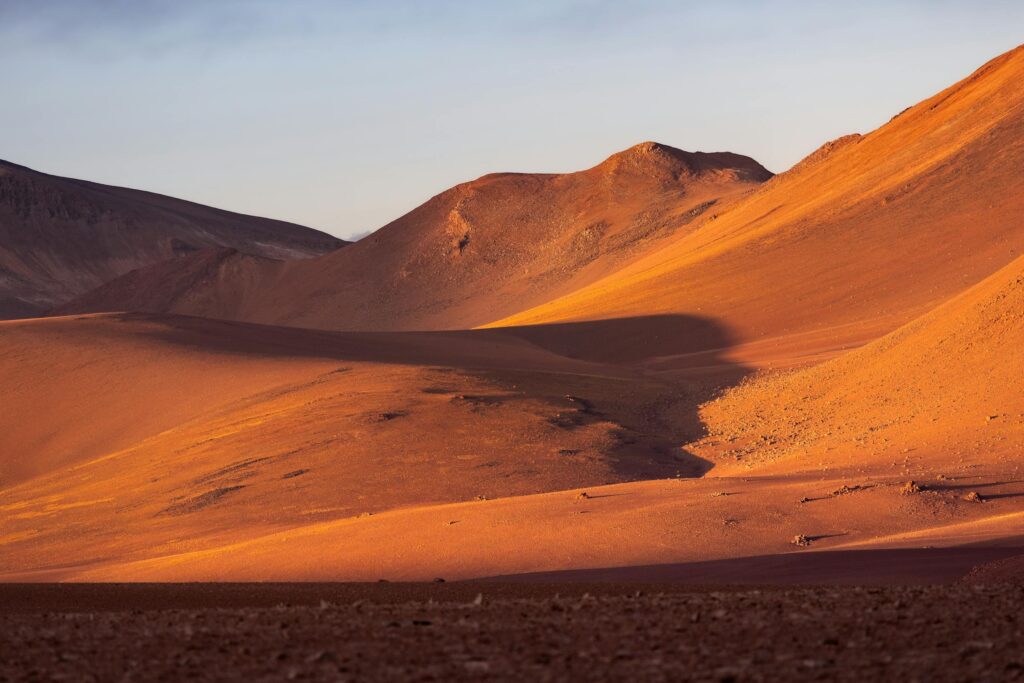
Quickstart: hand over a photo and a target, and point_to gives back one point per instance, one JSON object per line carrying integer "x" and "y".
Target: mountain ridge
{"x": 61, "y": 237}
{"x": 488, "y": 245}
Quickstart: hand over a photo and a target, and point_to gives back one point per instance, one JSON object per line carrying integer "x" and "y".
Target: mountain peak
{"x": 658, "y": 158}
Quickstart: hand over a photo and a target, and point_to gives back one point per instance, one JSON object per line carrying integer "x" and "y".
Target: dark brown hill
{"x": 61, "y": 237}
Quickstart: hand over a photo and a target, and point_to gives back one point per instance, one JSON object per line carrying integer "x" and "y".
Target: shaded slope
{"x": 864, "y": 235}
{"x": 497, "y": 244}
{"x": 941, "y": 394}
{"x": 213, "y": 283}
{"x": 61, "y": 237}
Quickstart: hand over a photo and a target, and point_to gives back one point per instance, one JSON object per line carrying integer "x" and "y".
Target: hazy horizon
{"x": 343, "y": 116}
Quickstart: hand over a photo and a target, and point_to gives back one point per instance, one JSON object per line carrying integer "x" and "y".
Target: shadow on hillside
{"x": 657, "y": 411}
{"x": 887, "y": 566}
{"x": 625, "y": 340}
{"x": 590, "y": 372}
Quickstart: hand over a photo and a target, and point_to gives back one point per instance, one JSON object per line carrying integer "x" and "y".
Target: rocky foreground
{"x": 510, "y": 632}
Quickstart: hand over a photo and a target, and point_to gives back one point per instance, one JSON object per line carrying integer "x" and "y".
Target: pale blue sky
{"x": 343, "y": 115}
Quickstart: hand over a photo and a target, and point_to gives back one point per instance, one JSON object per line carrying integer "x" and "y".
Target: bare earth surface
{"x": 826, "y": 360}
{"x": 442, "y": 632}
{"x": 681, "y": 374}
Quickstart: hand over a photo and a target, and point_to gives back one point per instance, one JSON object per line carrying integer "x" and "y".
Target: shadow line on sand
{"x": 656, "y": 413}
{"x": 827, "y": 567}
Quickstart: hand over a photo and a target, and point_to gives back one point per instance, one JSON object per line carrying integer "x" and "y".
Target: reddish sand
{"x": 291, "y": 427}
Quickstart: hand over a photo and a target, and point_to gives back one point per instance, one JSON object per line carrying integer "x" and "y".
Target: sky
{"x": 344, "y": 114}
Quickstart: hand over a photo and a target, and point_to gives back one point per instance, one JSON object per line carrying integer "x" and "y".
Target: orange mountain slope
{"x": 944, "y": 393}
{"x": 495, "y": 245}
{"x": 484, "y": 248}
{"x": 60, "y": 237}
{"x": 862, "y": 236}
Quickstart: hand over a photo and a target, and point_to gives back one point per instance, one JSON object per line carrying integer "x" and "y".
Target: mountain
{"x": 60, "y": 237}
{"x": 864, "y": 235}
{"x": 490, "y": 247}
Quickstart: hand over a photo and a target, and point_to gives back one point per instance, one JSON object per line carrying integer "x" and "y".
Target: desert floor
{"x": 503, "y": 631}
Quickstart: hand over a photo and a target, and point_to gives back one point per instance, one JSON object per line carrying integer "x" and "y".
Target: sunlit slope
{"x": 628, "y": 527}
{"x": 81, "y": 389}
{"x": 135, "y": 434}
{"x": 943, "y": 394}
{"x": 870, "y": 230}
{"x": 506, "y": 241}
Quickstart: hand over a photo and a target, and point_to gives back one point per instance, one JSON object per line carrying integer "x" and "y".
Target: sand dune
{"x": 60, "y": 237}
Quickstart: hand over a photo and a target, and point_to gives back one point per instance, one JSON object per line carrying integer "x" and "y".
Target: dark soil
{"x": 523, "y": 632}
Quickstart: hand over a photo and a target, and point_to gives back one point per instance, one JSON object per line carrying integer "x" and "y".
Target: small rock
{"x": 910, "y": 488}
{"x": 320, "y": 656}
